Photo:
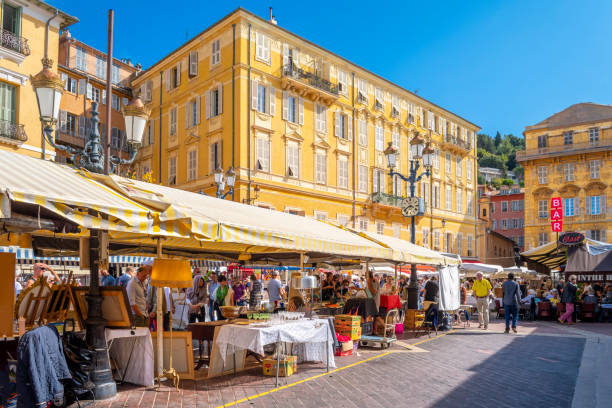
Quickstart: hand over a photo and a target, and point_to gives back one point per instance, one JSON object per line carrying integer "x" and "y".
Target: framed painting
{"x": 32, "y": 302}
{"x": 182, "y": 353}
{"x": 115, "y": 306}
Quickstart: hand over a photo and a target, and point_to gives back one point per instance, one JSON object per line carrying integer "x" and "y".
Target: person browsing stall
{"x": 213, "y": 285}
{"x": 482, "y": 290}
{"x": 126, "y": 276}
{"x": 276, "y": 292}
{"x": 224, "y": 296}
{"x": 42, "y": 269}
{"x": 137, "y": 295}
{"x": 328, "y": 287}
{"x": 432, "y": 290}
{"x": 255, "y": 293}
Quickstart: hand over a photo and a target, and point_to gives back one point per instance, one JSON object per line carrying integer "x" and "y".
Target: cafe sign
{"x": 556, "y": 214}
{"x": 571, "y": 238}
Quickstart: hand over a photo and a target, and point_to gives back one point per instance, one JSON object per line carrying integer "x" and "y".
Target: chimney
{"x": 272, "y": 19}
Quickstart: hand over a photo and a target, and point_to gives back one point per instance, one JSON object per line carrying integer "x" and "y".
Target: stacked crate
{"x": 348, "y": 325}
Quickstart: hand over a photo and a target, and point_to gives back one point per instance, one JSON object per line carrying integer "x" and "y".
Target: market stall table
{"x": 204, "y": 332}
{"x": 132, "y": 351}
{"x": 314, "y": 332}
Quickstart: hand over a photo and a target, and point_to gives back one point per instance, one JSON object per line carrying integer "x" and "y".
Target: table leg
{"x": 327, "y": 347}
{"x": 277, "y": 361}
{"x": 200, "y": 360}
{"x": 234, "y": 357}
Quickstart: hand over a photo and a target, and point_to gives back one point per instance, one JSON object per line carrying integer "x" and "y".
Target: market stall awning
{"x": 225, "y": 225}
{"x": 552, "y": 255}
{"x": 473, "y": 268}
{"x": 591, "y": 261}
{"x": 407, "y": 252}
{"x": 70, "y": 194}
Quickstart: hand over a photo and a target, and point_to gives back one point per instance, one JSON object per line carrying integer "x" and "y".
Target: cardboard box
{"x": 346, "y": 345}
{"x": 347, "y": 319}
{"x": 354, "y": 333}
{"x": 287, "y": 367}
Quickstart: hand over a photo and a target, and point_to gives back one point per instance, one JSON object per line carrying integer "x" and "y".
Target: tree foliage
{"x": 500, "y": 152}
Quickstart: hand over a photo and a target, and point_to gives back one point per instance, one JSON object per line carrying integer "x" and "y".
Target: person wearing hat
{"x": 511, "y": 299}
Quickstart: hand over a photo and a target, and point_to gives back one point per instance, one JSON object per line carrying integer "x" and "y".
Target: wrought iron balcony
{"x": 309, "y": 84}
{"x": 564, "y": 149}
{"x": 13, "y": 131}
{"x": 14, "y": 42}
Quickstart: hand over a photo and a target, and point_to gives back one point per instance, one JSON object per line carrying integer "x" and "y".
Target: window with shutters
{"x": 343, "y": 126}
{"x": 214, "y": 102}
{"x": 293, "y": 108}
{"x": 597, "y": 235}
{"x": 542, "y": 208}
{"x": 395, "y": 107}
{"x": 395, "y": 139}
{"x": 379, "y": 138}
{"x": 192, "y": 165}
{"x": 459, "y": 244}
{"x": 595, "y": 205}
{"x": 542, "y": 141}
{"x": 425, "y": 191}
{"x": 320, "y": 118}
{"x": 378, "y": 181}
{"x": 149, "y": 136}
{"x": 193, "y": 64}
{"x": 263, "y": 154}
{"x": 192, "y": 113}
{"x": 568, "y": 207}
{"x": 425, "y": 237}
{"x": 261, "y": 99}
{"x": 436, "y": 195}
{"x": 468, "y": 169}
{"x": 436, "y": 159}
{"x": 68, "y": 123}
{"x": 594, "y": 168}
{"x": 397, "y": 185}
{"x": 449, "y": 198}
{"x": 362, "y": 91}
{"x": 115, "y": 138}
{"x": 70, "y": 84}
{"x": 494, "y": 224}
{"x": 343, "y": 220}
{"x": 292, "y": 102}
{"x": 320, "y": 167}
{"x": 116, "y": 102}
{"x": 504, "y": 224}
{"x": 320, "y": 216}
{"x": 568, "y": 138}
{"x": 80, "y": 61}
{"x": 293, "y": 159}
{"x": 215, "y": 56}
{"x": 459, "y": 199}
{"x": 101, "y": 67}
{"x": 172, "y": 170}
{"x": 363, "y": 224}
{"x": 514, "y": 205}
{"x": 379, "y": 102}
{"x": 215, "y": 158}
{"x": 173, "y": 115}
{"x": 343, "y": 171}
{"x": 262, "y": 49}
{"x": 542, "y": 175}
{"x": 436, "y": 239}
{"x": 430, "y": 120}
{"x": 594, "y": 136}
{"x": 96, "y": 95}
{"x": 363, "y": 179}
{"x": 363, "y": 131}
{"x": 470, "y": 244}
{"x": 470, "y": 203}
{"x": 342, "y": 82}
{"x": 380, "y": 227}
{"x": 504, "y": 206}
{"x": 115, "y": 74}
{"x": 568, "y": 171}
{"x": 542, "y": 238}
{"x": 447, "y": 163}
{"x": 459, "y": 169}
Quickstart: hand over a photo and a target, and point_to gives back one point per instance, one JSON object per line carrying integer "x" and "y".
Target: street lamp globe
{"x": 417, "y": 144}
{"x": 391, "y": 154}
{"x": 49, "y": 89}
{"x": 218, "y": 175}
{"x": 428, "y": 153}
{"x": 230, "y": 177}
{"x": 135, "y": 115}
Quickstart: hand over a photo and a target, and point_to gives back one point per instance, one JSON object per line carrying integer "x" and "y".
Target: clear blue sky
{"x": 500, "y": 64}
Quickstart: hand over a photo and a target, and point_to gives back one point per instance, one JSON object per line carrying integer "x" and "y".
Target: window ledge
{"x": 12, "y": 55}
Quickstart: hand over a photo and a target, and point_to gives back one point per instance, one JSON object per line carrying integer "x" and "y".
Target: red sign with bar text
{"x": 555, "y": 202}
{"x": 557, "y": 226}
{"x": 556, "y": 214}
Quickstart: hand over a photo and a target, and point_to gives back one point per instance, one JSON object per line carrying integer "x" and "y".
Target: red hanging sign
{"x": 556, "y": 214}
{"x": 555, "y": 202}
{"x": 557, "y": 226}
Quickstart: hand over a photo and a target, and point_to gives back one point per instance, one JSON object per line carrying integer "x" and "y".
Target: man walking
{"x": 482, "y": 291}
{"x": 569, "y": 298}
{"x": 511, "y": 298}
{"x": 137, "y": 294}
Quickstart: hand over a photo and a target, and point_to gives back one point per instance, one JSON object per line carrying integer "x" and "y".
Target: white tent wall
{"x": 449, "y": 288}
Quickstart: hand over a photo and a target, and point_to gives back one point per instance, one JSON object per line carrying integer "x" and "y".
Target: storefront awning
{"x": 552, "y": 255}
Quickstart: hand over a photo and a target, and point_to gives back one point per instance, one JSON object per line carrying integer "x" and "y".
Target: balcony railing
{"x": 14, "y": 131}
{"x": 387, "y": 199}
{"x": 14, "y": 42}
{"x": 309, "y": 78}
{"x": 572, "y": 148}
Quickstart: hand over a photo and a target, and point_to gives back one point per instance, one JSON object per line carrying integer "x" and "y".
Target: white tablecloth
{"x": 133, "y": 353}
{"x": 315, "y": 333}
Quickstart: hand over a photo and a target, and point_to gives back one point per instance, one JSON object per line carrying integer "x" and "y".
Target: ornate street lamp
{"x": 411, "y": 204}
{"x": 221, "y": 180}
{"x": 49, "y": 89}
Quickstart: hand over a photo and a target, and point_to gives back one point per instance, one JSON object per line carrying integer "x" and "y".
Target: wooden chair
{"x": 587, "y": 311}
{"x": 545, "y": 310}
{"x": 501, "y": 313}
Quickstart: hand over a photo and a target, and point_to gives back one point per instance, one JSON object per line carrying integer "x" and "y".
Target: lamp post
{"x": 252, "y": 199}
{"x": 423, "y": 152}
{"x": 49, "y": 89}
{"x": 221, "y": 180}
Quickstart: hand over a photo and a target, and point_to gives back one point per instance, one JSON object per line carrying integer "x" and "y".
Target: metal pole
{"x": 109, "y": 91}
{"x": 160, "y": 323}
{"x": 412, "y": 292}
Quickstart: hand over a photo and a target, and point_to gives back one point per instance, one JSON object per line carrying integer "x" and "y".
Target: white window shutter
{"x": 198, "y": 109}
{"x": 285, "y": 105}
{"x": 220, "y": 152}
{"x": 254, "y": 93}
{"x": 168, "y": 82}
{"x": 193, "y": 63}
{"x": 603, "y": 204}
{"x": 587, "y": 206}
{"x": 220, "y": 101}
{"x": 187, "y": 110}
{"x": 178, "y": 74}
{"x": 211, "y": 158}
{"x": 267, "y": 48}
{"x": 317, "y": 118}
{"x": 577, "y": 206}
{"x": 301, "y": 111}
{"x": 285, "y": 55}
{"x": 82, "y": 86}
{"x": 104, "y": 97}
{"x": 349, "y": 125}
{"x": 272, "y": 97}
{"x": 337, "y": 124}
{"x": 63, "y": 120}
{"x": 296, "y": 57}
{"x": 89, "y": 90}
{"x": 207, "y": 103}
{"x": 149, "y": 91}
{"x": 81, "y": 126}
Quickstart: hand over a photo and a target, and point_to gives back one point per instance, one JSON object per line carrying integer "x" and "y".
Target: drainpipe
{"x": 42, "y": 140}
{"x": 249, "y": 117}
{"x": 161, "y": 82}
{"x": 355, "y": 135}
{"x": 233, "y": 100}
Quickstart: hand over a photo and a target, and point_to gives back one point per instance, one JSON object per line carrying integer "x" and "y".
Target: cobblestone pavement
{"x": 465, "y": 368}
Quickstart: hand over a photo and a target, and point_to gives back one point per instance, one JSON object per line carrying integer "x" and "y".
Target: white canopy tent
{"x": 471, "y": 269}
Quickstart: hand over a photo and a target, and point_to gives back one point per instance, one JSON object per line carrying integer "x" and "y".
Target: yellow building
{"x": 22, "y": 46}
{"x": 568, "y": 156}
{"x": 305, "y": 130}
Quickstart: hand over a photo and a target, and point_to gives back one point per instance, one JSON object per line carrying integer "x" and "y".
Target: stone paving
{"x": 466, "y": 368}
